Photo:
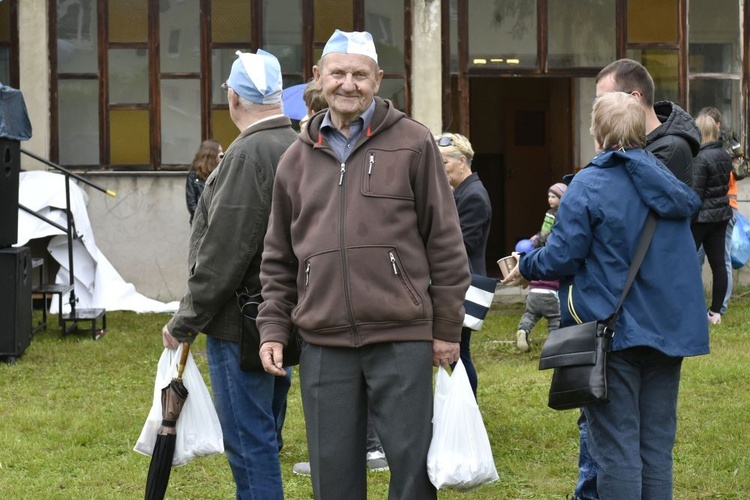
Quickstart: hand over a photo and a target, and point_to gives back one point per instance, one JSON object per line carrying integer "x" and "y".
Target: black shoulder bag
{"x": 250, "y": 336}
{"x": 578, "y": 353}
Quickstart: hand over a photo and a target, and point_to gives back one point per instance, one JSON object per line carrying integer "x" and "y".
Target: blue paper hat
{"x": 256, "y": 77}
{"x": 353, "y": 42}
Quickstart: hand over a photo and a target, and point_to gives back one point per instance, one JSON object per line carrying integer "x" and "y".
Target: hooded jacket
{"x": 596, "y": 234}
{"x": 676, "y": 141}
{"x": 368, "y": 250}
{"x": 711, "y": 169}
{"x": 226, "y": 237}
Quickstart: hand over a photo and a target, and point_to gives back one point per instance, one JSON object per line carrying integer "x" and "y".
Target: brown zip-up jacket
{"x": 365, "y": 251}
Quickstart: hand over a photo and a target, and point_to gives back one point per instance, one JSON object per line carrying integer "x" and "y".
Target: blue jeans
{"x": 587, "y": 469}
{"x": 251, "y": 407}
{"x": 631, "y": 438}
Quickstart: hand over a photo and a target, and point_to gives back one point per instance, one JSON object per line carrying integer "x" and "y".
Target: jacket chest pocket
{"x": 387, "y": 173}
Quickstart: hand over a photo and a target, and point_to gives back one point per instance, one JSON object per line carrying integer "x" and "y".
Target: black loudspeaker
{"x": 15, "y": 300}
{"x": 10, "y": 168}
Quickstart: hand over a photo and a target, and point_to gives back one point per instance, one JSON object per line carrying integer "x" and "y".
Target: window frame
{"x": 205, "y": 76}
{"x": 12, "y": 45}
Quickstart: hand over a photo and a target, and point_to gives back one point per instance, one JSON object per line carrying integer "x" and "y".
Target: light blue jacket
{"x": 596, "y": 234}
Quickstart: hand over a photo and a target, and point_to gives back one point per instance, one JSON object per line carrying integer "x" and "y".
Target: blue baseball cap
{"x": 256, "y": 77}
{"x": 353, "y": 42}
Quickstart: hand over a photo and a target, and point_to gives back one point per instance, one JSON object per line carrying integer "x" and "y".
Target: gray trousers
{"x": 338, "y": 384}
{"x": 540, "y": 305}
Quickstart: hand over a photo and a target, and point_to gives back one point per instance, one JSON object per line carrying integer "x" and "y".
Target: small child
{"x": 542, "y": 299}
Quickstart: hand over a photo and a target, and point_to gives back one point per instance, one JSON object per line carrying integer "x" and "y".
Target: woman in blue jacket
{"x": 663, "y": 320}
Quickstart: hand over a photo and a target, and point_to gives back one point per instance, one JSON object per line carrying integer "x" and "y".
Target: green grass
{"x": 72, "y": 408}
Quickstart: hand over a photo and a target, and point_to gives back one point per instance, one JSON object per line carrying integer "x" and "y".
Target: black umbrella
{"x": 173, "y": 398}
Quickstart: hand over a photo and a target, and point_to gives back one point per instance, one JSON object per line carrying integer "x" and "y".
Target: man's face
{"x": 348, "y": 82}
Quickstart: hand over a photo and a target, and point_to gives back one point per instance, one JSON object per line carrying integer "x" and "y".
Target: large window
{"x": 581, "y": 33}
{"x": 136, "y": 83}
{"x": 503, "y": 34}
{"x": 714, "y": 53}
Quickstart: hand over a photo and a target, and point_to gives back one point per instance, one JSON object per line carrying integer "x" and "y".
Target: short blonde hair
{"x": 458, "y": 146}
{"x": 618, "y": 121}
{"x": 708, "y": 127}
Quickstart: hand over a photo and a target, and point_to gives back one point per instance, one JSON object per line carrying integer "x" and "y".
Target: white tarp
{"x": 97, "y": 283}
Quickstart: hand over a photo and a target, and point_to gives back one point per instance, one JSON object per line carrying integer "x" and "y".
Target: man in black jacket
{"x": 672, "y": 135}
{"x": 674, "y": 139}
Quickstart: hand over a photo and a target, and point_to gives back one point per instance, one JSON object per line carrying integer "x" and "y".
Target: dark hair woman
{"x": 204, "y": 163}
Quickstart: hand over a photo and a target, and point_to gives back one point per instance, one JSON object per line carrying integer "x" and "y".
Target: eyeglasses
{"x": 225, "y": 87}
{"x": 445, "y": 142}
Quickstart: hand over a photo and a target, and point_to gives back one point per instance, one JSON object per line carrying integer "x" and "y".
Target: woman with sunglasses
{"x": 474, "y": 214}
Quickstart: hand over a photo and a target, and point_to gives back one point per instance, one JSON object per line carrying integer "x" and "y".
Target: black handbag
{"x": 578, "y": 353}
{"x": 250, "y": 336}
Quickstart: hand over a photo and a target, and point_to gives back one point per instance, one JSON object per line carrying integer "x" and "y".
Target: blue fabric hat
{"x": 256, "y": 77}
{"x": 354, "y": 42}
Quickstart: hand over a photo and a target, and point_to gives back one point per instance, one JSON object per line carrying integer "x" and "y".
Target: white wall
{"x": 426, "y": 65}
{"x": 34, "y": 76}
{"x": 144, "y": 230}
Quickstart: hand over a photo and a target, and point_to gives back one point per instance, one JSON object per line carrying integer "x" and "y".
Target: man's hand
{"x": 168, "y": 340}
{"x": 272, "y": 357}
{"x": 444, "y": 353}
{"x": 514, "y": 277}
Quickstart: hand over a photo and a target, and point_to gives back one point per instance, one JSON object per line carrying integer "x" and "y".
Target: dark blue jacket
{"x": 596, "y": 234}
{"x": 475, "y": 215}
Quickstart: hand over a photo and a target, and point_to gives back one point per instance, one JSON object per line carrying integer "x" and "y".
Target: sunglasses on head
{"x": 445, "y": 142}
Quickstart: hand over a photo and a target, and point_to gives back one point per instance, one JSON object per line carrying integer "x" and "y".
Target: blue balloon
{"x": 524, "y": 246}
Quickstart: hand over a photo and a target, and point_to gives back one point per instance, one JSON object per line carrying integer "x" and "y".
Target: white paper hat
{"x": 352, "y": 42}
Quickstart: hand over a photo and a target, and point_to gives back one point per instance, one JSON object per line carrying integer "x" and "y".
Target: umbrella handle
{"x": 183, "y": 360}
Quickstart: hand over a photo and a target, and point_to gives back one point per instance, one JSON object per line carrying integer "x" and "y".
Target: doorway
{"x": 522, "y": 133}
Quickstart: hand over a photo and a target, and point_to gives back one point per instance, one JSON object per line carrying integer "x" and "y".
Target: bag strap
{"x": 646, "y": 234}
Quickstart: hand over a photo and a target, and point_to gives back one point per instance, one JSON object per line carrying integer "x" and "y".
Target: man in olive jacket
{"x": 364, "y": 255}
{"x": 226, "y": 244}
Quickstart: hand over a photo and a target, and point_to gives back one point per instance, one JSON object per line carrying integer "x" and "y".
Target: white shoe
{"x": 302, "y": 468}
{"x": 376, "y": 461}
{"x": 522, "y": 340}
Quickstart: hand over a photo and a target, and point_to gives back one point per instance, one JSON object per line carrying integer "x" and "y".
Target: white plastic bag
{"x": 198, "y": 429}
{"x": 460, "y": 456}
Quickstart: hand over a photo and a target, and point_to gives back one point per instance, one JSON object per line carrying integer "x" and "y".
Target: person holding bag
{"x": 662, "y": 319}
{"x": 226, "y": 244}
{"x": 474, "y": 214}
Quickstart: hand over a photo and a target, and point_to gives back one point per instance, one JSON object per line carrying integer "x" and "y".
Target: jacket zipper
{"x": 570, "y": 305}
{"x": 369, "y": 171}
{"x": 307, "y": 275}
{"x": 396, "y": 272}
{"x": 344, "y": 267}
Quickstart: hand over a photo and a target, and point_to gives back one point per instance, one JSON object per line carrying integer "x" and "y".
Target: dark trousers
{"x": 713, "y": 238}
{"x": 338, "y": 384}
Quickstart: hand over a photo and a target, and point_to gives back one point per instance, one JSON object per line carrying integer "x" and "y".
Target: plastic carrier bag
{"x": 460, "y": 456}
{"x": 740, "y": 251}
{"x": 198, "y": 429}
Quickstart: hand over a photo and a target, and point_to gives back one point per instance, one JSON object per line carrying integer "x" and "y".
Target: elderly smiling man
{"x": 364, "y": 255}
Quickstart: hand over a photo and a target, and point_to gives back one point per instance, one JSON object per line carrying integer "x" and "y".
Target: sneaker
{"x": 376, "y": 461}
{"x": 302, "y": 468}
{"x": 522, "y": 340}
{"x": 714, "y": 318}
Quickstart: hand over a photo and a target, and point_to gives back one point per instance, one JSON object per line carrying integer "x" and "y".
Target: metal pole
{"x": 71, "y": 226}
{"x": 68, "y": 173}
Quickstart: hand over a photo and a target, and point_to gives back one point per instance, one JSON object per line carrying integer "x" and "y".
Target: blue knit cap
{"x": 353, "y": 42}
{"x": 256, "y": 77}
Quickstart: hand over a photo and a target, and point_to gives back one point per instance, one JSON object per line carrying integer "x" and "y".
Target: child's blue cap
{"x": 256, "y": 77}
{"x": 353, "y": 42}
